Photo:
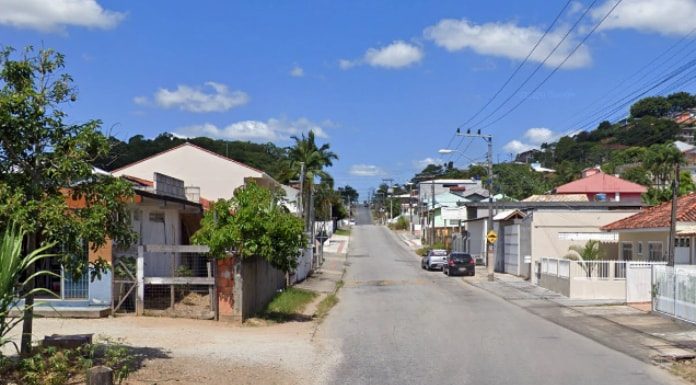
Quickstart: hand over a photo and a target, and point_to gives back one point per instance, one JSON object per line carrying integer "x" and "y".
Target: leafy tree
{"x": 252, "y": 224}
{"x": 590, "y": 252}
{"x": 638, "y": 175}
{"x": 648, "y": 131}
{"x": 660, "y": 160}
{"x": 655, "y": 106}
{"x": 657, "y": 195}
{"x": 45, "y": 167}
{"x": 518, "y": 180}
{"x": 681, "y": 101}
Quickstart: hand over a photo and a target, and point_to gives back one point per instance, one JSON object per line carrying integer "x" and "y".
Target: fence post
{"x": 140, "y": 276}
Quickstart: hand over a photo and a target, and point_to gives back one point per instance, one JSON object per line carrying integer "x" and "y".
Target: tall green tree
{"x": 45, "y": 162}
{"x": 315, "y": 159}
{"x": 250, "y": 224}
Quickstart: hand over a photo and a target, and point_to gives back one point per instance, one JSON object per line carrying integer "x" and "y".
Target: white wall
{"x": 217, "y": 176}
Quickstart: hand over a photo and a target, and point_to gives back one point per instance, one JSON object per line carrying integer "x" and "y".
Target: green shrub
{"x": 423, "y": 251}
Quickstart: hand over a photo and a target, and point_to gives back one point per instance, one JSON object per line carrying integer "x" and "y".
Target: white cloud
{"x": 537, "y": 136}
{"x": 423, "y": 163}
{"x": 195, "y": 99}
{"x": 398, "y": 54}
{"x": 55, "y": 15}
{"x": 365, "y": 170}
{"x": 507, "y": 40}
{"x": 534, "y": 137}
{"x": 297, "y": 72}
{"x": 515, "y": 147}
{"x": 273, "y": 130}
{"x": 669, "y": 17}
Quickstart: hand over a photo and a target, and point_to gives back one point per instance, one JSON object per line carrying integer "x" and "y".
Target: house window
{"x": 157, "y": 217}
{"x": 627, "y": 251}
{"x": 655, "y": 251}
{"x": 639, "y": 248}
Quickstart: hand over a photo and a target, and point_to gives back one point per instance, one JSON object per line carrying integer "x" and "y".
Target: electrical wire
{"x": 587, "y": 36}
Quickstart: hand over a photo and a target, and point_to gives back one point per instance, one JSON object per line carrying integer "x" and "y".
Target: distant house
{"x": 645, "y": 235}
{"x": 215, "y": 175}
{"x": 599, "y": 186}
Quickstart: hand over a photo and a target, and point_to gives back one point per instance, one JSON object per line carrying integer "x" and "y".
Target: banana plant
{"x": 14, "y": 286}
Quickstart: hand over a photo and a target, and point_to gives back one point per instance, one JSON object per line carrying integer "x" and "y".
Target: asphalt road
{"x": 398, "y": 324}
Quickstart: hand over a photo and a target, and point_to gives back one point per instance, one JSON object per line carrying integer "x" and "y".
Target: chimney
{"x": 591, "y": 171}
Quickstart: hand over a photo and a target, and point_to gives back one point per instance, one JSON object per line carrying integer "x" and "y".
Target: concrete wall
{"x": 557, "y": 284}
{"x": 304, "y": 265}
{"x": 547, "y": 224}
{"x": 640, "y": 241}
{"x": 597, "y": 289}
{"x": 260, "y": 283}
{"x": 217, "y": 176}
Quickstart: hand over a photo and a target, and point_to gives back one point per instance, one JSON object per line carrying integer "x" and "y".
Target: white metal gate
{"x": 512, "y": 249}
{"x": 638, "y": 282}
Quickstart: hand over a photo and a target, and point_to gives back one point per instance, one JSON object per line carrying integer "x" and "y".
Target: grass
{"x": 288, "y": 305}
{"x": 685, "y": 369}
{"x": 325, "y": 306}
{"x": 342, "y": 232}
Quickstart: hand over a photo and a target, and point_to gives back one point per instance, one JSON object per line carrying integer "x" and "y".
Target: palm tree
{"x": 584, "y": 254}
{"x": 315, "y": 159}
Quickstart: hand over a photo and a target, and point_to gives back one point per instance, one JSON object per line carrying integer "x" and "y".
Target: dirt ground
{"x": 184, "y": 351}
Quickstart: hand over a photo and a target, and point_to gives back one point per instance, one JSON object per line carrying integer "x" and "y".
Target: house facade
{"x": 644, "y": 236}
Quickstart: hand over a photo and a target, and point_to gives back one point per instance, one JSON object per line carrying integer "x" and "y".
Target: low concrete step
{"x": 67, "y": 312}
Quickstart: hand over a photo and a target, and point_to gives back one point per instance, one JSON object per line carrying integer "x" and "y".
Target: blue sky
{"x": 385, "y": 82}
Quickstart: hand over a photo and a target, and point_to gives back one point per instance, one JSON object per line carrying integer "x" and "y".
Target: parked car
{"x": 459, "y": 264}
{"x": 435, "y": 259}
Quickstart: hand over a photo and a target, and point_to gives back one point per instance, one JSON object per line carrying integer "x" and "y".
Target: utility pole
{"x": 432, "y": 208}
{"x": 490, "y": 254}
{"x": 300, "y": 204}
{"x": 389, "y": 182}
{"x": 673, "y": 218}
{"x": 410, "y": 208}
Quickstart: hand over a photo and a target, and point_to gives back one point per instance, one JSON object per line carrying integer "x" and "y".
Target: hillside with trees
{"x": 638, "y": 148}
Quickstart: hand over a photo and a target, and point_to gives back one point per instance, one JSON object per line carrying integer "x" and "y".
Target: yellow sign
{"x": 492, "y": 236}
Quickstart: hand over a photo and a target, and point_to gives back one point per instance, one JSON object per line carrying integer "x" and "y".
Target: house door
{"x": 682, "y": 251}
{"x": 154, "y": 233}
{"x": 512, "y": 249}
{"x": 638, "y": 282}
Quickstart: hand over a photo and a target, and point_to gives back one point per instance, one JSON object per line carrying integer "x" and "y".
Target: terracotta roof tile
{"x": 600, "y": 183}
{"x": 658, "y": 216}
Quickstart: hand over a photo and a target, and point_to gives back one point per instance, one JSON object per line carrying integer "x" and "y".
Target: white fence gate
{"x": 512, "y": 249}
{"x": 638, "y": 282}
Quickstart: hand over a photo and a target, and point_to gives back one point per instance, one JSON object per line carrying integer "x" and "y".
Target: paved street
{"x": 398, "y": 324}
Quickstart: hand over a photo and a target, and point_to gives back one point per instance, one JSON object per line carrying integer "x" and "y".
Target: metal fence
{"x": 584, "y": 270}
{"x": 674, "y": 291}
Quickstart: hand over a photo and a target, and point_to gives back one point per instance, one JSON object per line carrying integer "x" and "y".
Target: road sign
{"x": 492, "y": 236}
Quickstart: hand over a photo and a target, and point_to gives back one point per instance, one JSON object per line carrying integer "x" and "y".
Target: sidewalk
{"x": 413, "y": 242}
{"x": 644, "y": 335}
{"x": 325, "y": 278}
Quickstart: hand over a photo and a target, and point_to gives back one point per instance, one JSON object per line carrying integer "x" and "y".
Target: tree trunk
{"x": 28, "y": 322}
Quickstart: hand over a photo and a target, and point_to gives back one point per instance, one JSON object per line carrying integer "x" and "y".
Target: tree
{"x": 657, "y": 195}
{"x": 656, "y": 106}
{"x": 349, "y": 193}
{"x": 659, "y": 160}
{"x": 587, "y": 254}
{"x": 518, "y": 180}
{"x": 315, "y": 159}
{"x": 638, "y": 175}
{"x": 252, "y": 223}
{"x": 680, "y": 101}
{"x": 45, "y": 164}
{"x": 648, "y": 131}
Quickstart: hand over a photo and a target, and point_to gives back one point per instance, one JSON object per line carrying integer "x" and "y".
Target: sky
{"x": 386, "y": 83}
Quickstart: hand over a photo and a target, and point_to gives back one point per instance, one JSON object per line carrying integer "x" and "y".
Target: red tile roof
{"x": 600, "y": 183}
{"x": 658, "y": 216}
{"x": 140, "y": 181}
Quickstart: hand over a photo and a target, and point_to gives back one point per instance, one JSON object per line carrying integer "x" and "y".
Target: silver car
{"x": 435, "y": 259}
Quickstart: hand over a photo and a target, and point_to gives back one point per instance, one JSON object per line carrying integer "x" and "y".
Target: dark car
{"x": 459, "y": 264}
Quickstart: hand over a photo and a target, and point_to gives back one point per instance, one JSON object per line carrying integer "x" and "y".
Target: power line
{"x": 512, "y": 75}
{"x": 538, "y": 67}
{"x": 508, "y": 112}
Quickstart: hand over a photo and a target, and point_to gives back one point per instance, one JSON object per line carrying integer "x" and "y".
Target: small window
{"x": 627, "y": 251}
{"x": 639, "y": 248}
{"x": 655, "y": 251}
{"x": 157, "y": 217}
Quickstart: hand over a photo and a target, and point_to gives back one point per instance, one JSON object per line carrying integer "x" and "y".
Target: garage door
{"x": 512, "y": 249}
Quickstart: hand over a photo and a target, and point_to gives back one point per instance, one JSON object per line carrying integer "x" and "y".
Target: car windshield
{"x": 461, "y": 257}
